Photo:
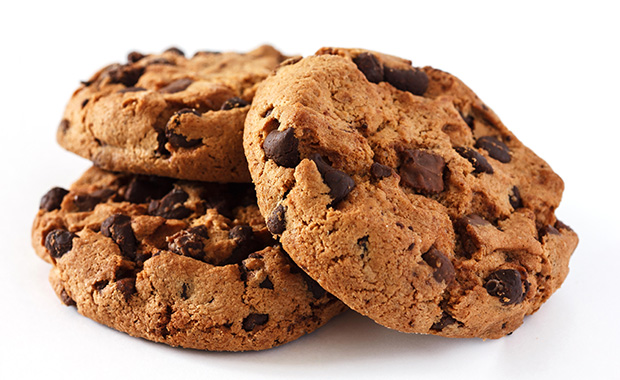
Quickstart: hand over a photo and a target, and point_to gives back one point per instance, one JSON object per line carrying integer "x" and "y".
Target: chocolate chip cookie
{"x": 404, "y": 195}
{"x": 168, "y": 115}
{"x": 184, "y": 263}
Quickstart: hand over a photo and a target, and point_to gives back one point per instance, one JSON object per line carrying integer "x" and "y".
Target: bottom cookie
{"x": 183, "y": 263}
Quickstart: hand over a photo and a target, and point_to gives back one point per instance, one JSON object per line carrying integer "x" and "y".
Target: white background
{"x": 550, "y": 70}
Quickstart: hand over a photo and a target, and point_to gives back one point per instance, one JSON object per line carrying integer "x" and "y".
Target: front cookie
{"x": 183, "y": 263}
{"x": 168, "y": 115}
{"x": 402, "y": 194}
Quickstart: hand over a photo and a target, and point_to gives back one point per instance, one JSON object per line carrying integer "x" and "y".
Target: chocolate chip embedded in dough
{"x": 58, "y": 242}
{"x": 245, "y": 243}
{"x": 480, "y": 164}
{"x": 443, "y": 268}
{"x": 134, "y": 57}
{"x": 171, "y": 205}
{"x": 276, "y": 223}
{"x": 413, "y": 80}
{"x": 64, "y": 125}
{"x": 340, "y": 183}
{"x": 189, "y": 243}
{"x": 446, "y": 320}
{"x": 266, "y": 284}
{"x": 118, "y": 228}
{"x": 422, "y": 170}
{"x": 128, "y": 90}
{"x": 496, "y": 149}
{"x": 127, "y": 75}
{"x": 282, "y": 147}
{"x": 254, "y": 320}
{"x": 175, "y": 50}
{"x": 176, "y": 86}
{"x": 127, "y": 286}
{"x": 52, "y": 199}
{"x": 380, "y": 171}
{"x": 505, "y": 284}
{"x": 515, "y": 198}
{"x": 145, "y": 188}
{"x": 234, "y": 102}
{"x": 368, "y": 64}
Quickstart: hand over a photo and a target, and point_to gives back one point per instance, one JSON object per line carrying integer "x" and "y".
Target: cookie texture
{"x": 168, "y": 115}
{"x": 182, "y": 263}
{"x": 404, "y": 195}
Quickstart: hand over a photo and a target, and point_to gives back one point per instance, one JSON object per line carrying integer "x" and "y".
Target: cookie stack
{"x": 239, "y": 201}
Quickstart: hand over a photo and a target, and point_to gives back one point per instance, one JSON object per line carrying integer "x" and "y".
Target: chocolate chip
{"x": 444, "y": 270}
{"x": 130, "y": 89}
{"x": 127, "y": 286}
{"x": 561, "y": 226}
{"x": 313, "y": 286}
{"x": 181, "y": 141}
{"x": 340, "y": 183}
{"x": 469, "y": 120}
{"x": 266, "y": 284}
{"x": 380, "y": 171}
{"x": 66, "y": 299}
{"x": 58, "y": 242}
{"x": 413, "y": 80}
{"x": 475, "y": 220}
{"x": 134, "y": 57}
{"x": 282, "y": 147}
{"x": 171, "y": 205}
{"x": 234, "y": 102}
{"x": 175, "y": 50}
{"x": 125, "y": 74}
{"x": 176, "y": 86}
{"x": 189, "y": 243}
{"x": 480, "y": 164}
{"x": 276, "y": 223}
{"x": 506, "y": 284}
{"x": 144, "y": 188}
{"x": 368, "y": 64}
{"x": 85, "y": 202}
{"x": 52, "y": 199}
{"x": 496, "y": 149}
{"x": 268, "y": 112}
{"x": 253, "y": 320}
{"x": 547, "y": 230}
{"x": 85, "y": 102}
{"x": 515, "y": 198}
{"x": 118, "y": 228}
{"x": 160, "y": 61}
{"x": 363, "y": 244}
{"x": 446, "y": 320}
{"x": 64, "y": 125}
{"x": 245, "y": 243}
{"x": 188, "y": 110}
{"x": 465, "y": 228}
{"x": 161, "y": 145}
{"x": 422, "y": 170}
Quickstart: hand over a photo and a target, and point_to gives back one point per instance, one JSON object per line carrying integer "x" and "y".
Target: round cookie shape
{"x": 168, "y": 115}
{"x": 404, "y": 195}
{"x": 183, "y": 263}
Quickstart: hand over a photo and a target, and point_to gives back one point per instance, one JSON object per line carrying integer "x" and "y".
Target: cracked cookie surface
{"x": 183, "y": 263}
{"x": 168, "y": 115}
{"x": 404, "y": 195}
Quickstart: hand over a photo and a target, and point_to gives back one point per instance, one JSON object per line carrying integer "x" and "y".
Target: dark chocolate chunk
{"x": 465, "y": 228}
{"x": 368, "y": 64}
{"x": 52, "y": 199}
{"x": 422, "y": 170}
{"x": 118, "y": 228}
{"x": 245, "y": 241}
{"x": 144, "y": 188}
{"x": 444, "y": 270}
{"x": 340, "y": 183}
{"x": 234, "y": 102}
{"x": 160, "y": 61}
{"x": 85, "y": 102}
{"x": 313, "y": 286}
{"x": 268, "y": 112}
{"x": 547, "y": 230}
{"x": 66, "y": 299}
{"x": 363, "y": 244}
{"x": 181, "y": 141}
{"x": 480, "y": 164}
{"x": 125, "y": 74}
{"x": 253, "y": 320}
{"x": 380, "y": 171}
{"x": 58, "y": 242}
{"x": 515, "y": 198}
{"x": 266, "y": 284}
{"x": 413, "y": 80}
{"x": 64, "y": 125}
{"x": 189, "y": 243}
{"x": 127, "y": 286}
{"x": 561, "y": 226}
{"x": 176, "y": 86}
{"x": 276, "y": 224}
{"x": 446, "y": 320}
{"x": 175, "y": 50}
{"x": 496, "y": 149}
{"x": 131, "y": 89}
{"x": 282, "y": 147}
{"x": 469, "y": 120}
{"x": 171, "y": 205}
{"x": 506, "y": 284}
{"x": 161, "y": 144}
{"x": 134, "y": 57}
